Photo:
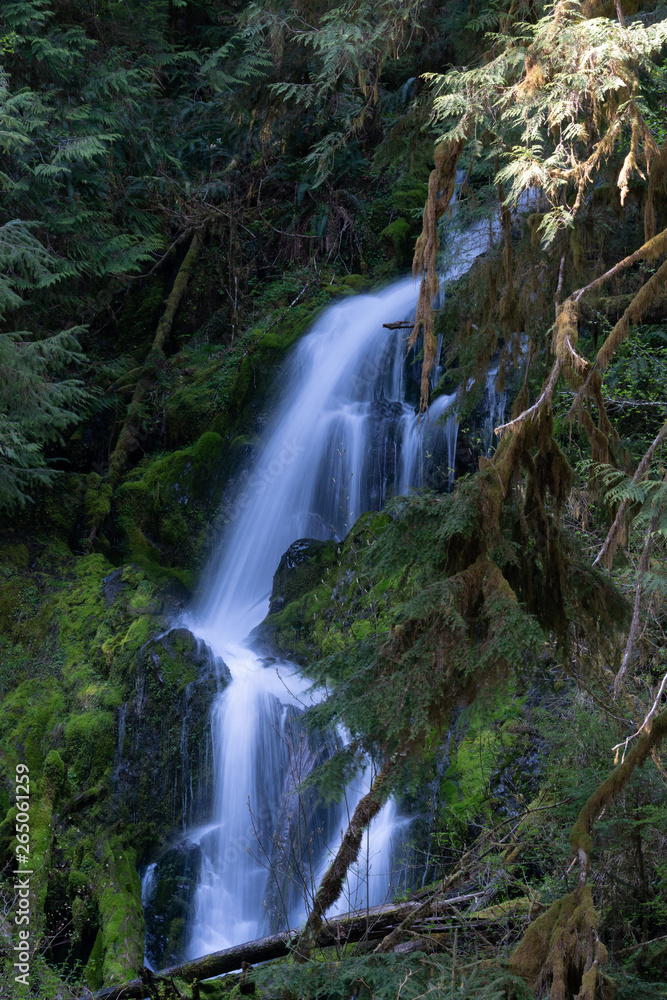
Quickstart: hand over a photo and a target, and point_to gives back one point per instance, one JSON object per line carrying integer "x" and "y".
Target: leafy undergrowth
{"x": 389, "y": 977}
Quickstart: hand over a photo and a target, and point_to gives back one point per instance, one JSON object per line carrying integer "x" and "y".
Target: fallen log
{"x": 401, "y": 325}
{"x": 376, "y": 922}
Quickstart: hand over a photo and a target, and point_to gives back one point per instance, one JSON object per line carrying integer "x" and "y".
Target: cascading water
{"x": 333, "y": 453}
{"x": 343, "y": 438}
{"x": 494, "y": 409}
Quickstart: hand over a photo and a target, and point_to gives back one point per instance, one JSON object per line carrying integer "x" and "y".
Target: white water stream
{"x": 344, "y": 437}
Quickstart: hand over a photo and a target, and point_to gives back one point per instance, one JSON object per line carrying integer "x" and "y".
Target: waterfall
{"x": 344, "y": 437}
{"x": 148, "y": 887}
{"x": 333, "y": 453}
{"x": 494, "y": 409}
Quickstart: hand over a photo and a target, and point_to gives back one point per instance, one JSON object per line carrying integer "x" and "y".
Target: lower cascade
{"x": 345, "y": 437}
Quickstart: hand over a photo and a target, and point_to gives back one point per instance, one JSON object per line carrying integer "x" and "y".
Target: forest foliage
{"x": 183, "y": 184}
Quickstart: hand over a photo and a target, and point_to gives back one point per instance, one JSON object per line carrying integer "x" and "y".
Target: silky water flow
{"x": 345, "y": 436}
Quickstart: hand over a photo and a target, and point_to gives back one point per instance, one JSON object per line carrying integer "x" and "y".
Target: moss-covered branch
{"x": 331, "y": 885}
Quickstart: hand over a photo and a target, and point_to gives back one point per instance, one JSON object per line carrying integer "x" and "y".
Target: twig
{"x": 651, "y": 713}
{"x": 559, "y": 287}
{"x": 640, "y": 944}
{"x": 641, "y": 471}
{"x": 634, "y": 627}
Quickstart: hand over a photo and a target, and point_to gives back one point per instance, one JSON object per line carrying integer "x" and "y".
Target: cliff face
{"x": 102, "y": 698}
{"x": 113, "y": 725}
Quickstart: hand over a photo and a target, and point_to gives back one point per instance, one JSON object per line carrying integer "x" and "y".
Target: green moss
{"x": 165, "y": 504}
{"x": 121, "y": 914}
{"x": 93, "y": 972}
{"x": 357, "y": 282}
{"x": 28, "y": 716}
{"x": 53, "y": 775}
{"x": 143, "y": 600}
{"x": 81, "y": 607}
{"x": 89, "y": 746}
{"x": 475, "y": 761}
{"x": 15, "y": 555}
{"x": 97, "y": 504}
{"x": 397, "y": 241}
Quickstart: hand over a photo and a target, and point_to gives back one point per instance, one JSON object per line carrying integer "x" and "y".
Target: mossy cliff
{"x": 112, "y": 721}
{"x": 500, "y": 784}
{"x": 106, "y": 703}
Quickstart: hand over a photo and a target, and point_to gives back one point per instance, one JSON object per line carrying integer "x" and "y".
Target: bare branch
{"x": 634, "y": 627}
{"x": 543, "y": 399}
{"x": 651, "y": 713}
{"x": 607, "y": 550}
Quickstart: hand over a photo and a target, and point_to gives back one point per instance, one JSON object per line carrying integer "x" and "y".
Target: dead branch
{"x": 607, "y": 550}
{"x": 634, "y": 626}
{"x": 649, "y": 716}
{"x": 332, "y": 883}
{"x": 544, "y": 399}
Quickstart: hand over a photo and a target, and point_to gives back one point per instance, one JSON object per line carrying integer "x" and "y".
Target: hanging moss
{"x": 561, "y": 951}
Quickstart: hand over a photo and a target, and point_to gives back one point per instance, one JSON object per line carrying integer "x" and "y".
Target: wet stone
{"x": 169, "y": 903}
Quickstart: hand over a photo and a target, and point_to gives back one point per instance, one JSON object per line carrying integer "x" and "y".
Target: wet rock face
{"x": 381, "y": 468}
{"x": 168, "y": 903}
{"x": 163, "y": 768}
{"x": 299, "y": 570}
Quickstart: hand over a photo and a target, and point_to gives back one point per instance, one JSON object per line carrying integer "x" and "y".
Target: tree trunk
{"x": 348, "y": 852}
{"x": 127, "y": 439}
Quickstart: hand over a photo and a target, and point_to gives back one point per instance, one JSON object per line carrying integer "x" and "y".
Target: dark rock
{"x": 168, "y": 903}
{"x": 299, "y": 570}
{"x": 163, "y": 770}
{"x": 113, "y": 585}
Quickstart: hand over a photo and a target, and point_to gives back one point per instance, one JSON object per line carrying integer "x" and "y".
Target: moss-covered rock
{"x": 53, "y": 775}
{"x": 89, "y": 746}
{"x": 168, "y": 903}
{"x": 121, "y": 913}
{"x": 299, "y": 570}
{"x": 162, "y": 778}
{"x": 113, "y": 725}
{"x": 398, "y": 242}
{"x": 164, "y": 509}
{"x": 298, "y": 589}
